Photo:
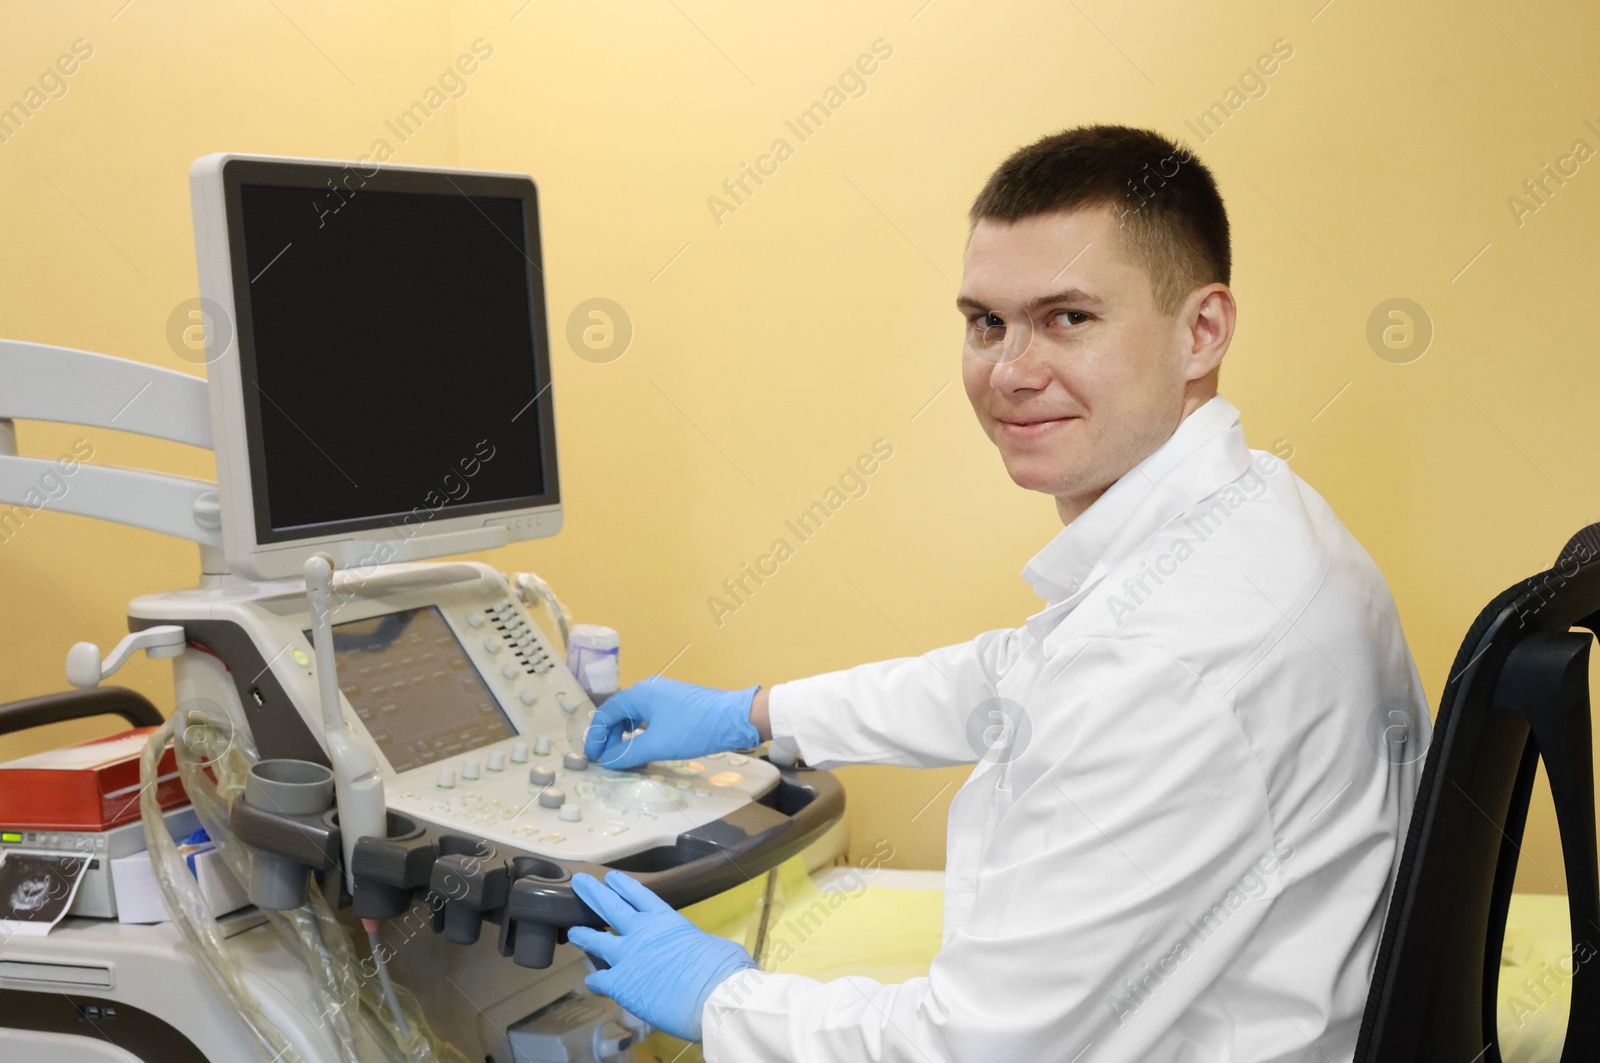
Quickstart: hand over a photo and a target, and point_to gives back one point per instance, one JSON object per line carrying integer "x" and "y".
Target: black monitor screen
{"x": 414, "y": 687}
{"x": 392, "y": 350}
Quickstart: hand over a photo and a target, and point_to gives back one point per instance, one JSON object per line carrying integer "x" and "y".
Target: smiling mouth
{"x": 1024, "y": 432}
{"x": 1033, "y": 422}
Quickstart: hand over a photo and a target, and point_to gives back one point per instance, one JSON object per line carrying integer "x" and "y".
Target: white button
{"x": 541, "y": 745}
{"x": 570, "y": 812}
{"x": 474, "y": 619}
{"x": 509, "y": 670}
{"x": 492, "y": 645}
{"x": 447, "y": 779}
{"x": 566, "y": 702}
{"x": 527, "y": 697}
{"x": 469, "y": 770}
{"x": 519, "y": 753}
{"x": 497, "y": 761}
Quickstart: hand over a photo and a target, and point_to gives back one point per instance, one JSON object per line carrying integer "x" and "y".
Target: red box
{"x": 88, "y": 787}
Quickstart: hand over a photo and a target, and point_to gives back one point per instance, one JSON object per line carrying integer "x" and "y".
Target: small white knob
{"x": 570, "y": 812}
{"x": 492, "y": 645}
{"x": 469, "y": 770}
{"x": 566, "y": 702}
{"x": 509, "y": 670}
{"x": 474, "y": 619}
{"x": 519, "y": 753}
{"x": 541, "y": 745}
{"x": 497, "y": 761}
{"x": 447, "y": 779}
{"x": 83, "y": 665}
{"x": 527, "y": 697}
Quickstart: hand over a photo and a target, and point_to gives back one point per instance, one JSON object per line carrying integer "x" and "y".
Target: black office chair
{"x": 1518, "y": 692}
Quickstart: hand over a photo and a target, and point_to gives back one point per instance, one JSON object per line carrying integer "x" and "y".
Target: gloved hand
{"x": 663, "y": 967}
{"x": 680, "y": 719}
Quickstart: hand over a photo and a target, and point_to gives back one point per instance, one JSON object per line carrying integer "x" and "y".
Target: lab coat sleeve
{"x": 909, "y": 711}
{"x": 1118, "y": 877}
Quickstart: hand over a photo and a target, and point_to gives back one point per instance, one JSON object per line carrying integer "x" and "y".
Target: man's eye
{"x": 1073, "y": 317}
{"x": 988, "y": 327}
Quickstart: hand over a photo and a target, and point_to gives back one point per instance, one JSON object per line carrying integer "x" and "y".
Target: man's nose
{"x": 1020, "y": 364}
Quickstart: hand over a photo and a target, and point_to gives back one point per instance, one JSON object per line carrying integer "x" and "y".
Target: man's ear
{"x": 1206, "y": 321}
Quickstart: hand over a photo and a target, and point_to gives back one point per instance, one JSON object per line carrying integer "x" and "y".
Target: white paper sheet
{"x": 36, "y": 889}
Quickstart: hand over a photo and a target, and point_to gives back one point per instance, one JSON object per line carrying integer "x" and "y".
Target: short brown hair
{"x": 1165, "y": 198}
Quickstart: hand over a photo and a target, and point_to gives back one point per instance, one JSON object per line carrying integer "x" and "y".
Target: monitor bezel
{"x": 251, "y": 546}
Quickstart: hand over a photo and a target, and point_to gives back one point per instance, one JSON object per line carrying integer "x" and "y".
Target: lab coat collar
{"x": 1205, "y": 452}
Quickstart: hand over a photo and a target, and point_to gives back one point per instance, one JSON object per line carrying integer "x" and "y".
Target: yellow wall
{"x": 775, "y": 344}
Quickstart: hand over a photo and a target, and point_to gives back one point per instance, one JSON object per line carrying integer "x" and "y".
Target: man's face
{"x": 1074, "y": 372}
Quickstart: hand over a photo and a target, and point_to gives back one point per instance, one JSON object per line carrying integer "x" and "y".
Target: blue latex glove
{"x": 680, "y": 720}
{"x": 663, "y": 967}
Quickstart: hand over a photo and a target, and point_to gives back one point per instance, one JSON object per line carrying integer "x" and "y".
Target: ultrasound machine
{"x": 388, "y": 749}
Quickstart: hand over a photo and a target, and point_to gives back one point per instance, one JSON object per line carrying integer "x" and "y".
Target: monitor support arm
{"x": 49, "y": 383}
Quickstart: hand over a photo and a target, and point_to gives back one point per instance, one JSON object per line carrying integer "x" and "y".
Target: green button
{"x": 300, "y": 656}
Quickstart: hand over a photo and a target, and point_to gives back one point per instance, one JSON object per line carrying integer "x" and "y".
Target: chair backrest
{"x": 1518, "y": 693}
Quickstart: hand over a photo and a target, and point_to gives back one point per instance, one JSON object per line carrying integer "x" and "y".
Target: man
{"x": 1178, "y": 838}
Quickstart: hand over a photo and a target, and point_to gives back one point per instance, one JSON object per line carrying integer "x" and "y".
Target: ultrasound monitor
{"x": 378, "y": 360}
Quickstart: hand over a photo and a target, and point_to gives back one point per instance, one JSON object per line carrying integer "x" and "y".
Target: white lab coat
{"x": 1184, "y": 849}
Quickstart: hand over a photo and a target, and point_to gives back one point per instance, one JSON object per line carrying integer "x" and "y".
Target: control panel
{"x": 543, "y": 798}
{"x": 478, "y": 724}
{"x": 477, "y": 730}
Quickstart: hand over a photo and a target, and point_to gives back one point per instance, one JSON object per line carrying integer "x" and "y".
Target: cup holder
{"x": 292, "y": 787}
{"x": 466, "y": 845}
{"x": 398, "y": 826}
{"x": 537, "y": 868}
